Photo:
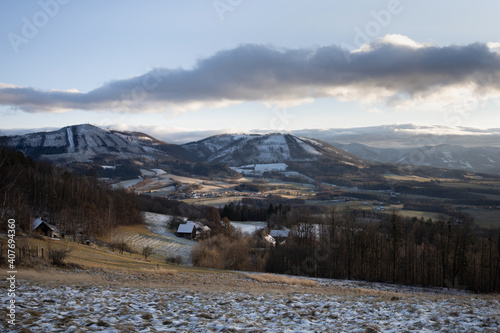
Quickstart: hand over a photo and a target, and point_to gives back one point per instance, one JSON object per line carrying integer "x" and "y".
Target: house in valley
{"x": 186, "y": 230}
{"x": 43, "y": 228}
{"x": 279, "y": 235}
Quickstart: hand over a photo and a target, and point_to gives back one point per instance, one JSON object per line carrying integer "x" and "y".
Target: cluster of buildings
{"x": 191, "y": 230}
{"x": 213, "y": 194}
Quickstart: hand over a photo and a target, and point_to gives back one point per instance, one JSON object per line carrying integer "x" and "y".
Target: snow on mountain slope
{"x": 237, "y": 150}
{"x": 70, "y": 139}
{"x": 83, "y": 143}
{"x": 87, "y": 143}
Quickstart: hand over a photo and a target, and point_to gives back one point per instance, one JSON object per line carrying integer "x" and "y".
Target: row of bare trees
{"x": 450, "y": 252}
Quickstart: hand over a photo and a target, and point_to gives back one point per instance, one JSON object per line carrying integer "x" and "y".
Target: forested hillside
{"x": 362, "y": 245}
{"x": 30, "y": 189}
{"x": 448, "y": 252}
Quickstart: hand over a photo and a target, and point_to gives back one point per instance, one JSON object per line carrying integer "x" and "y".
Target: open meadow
{"x": 185, "y": 300}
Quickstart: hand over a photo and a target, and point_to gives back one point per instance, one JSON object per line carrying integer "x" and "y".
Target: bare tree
{"x": 147, "y": 251}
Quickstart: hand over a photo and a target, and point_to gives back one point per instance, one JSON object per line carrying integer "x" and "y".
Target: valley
{"x": 401, "y": 192}
{"x": 232, "y": 167}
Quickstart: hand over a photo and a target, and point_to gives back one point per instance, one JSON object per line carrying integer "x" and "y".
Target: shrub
{"x": 223, "y": 252}
{"x": 121, "y": 246}
{"x": 58, "y": 255}
{"x": 147, "y": 251}
{"x": 174, "y": 260}
{"x": 174, "y": 222}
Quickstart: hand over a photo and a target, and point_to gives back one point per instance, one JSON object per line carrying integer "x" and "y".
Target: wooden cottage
{"x": 186, "y": 230}
{"x": 43, "y": 228}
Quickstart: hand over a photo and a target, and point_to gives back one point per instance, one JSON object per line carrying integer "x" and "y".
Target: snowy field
{"x": 164, "y": 243}
{"x": 249, "y": 227}
{"x": 159, "y": 172}
{"x": 252, "y": 169}
{"x": 232, "y": 302}
{"x": 148, "y": 173}
{"x": 126, "y": 183}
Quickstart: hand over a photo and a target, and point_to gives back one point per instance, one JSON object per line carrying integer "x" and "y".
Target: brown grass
{"x": 56, "y": 277}
{"x": 281, "y": 279}
{"x": 95, "y": 257}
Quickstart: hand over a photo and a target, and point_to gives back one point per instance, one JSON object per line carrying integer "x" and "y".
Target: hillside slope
{"x": 237, "y": 150}
{"x": 86, "y": 143}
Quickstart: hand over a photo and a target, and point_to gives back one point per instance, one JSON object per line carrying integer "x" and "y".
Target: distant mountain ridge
{"x": 407, "y": 136}
{"x": 91, "y": 144}
{"x": 88, "y": 143}
{"x": 241, "y": 149}
{"x": 477, "y": 159}
{"x": 85, "y": 143}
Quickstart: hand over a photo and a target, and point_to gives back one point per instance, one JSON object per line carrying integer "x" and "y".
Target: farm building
{"x": 186, "y": 230}
{"x": 279, "y": 235}
{"x": 43, "y": 228}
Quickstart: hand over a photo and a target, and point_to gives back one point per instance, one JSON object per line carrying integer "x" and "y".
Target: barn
{"x": 186, "y": 230}
{"x": 43, "y": 228}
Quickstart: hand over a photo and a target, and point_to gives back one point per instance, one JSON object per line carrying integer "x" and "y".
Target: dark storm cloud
{"x": 263, "y": 73}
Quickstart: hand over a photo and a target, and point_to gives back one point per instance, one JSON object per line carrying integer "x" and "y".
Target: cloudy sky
{"x": 239, "y": 65}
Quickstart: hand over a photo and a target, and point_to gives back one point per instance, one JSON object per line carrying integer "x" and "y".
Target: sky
{"x": 217, "y": 66}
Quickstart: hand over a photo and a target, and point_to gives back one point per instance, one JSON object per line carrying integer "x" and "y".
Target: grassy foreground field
{"x": 101, "y": 257}
{"x": 186, "y": 300}
{"x": 110, "y": 292}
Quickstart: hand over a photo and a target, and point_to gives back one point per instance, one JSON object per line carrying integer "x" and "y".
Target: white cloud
{"x": 393, "y": 70}
{"x": 391, "y": 39}
{"x": 494, "y": 46}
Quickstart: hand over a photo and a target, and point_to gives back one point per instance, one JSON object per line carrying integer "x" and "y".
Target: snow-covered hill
{"x": 237, "y": 150}
{"x": 91, "y": 144}
{"x": 84, "y": 143}
{"x": 87, "y": 147}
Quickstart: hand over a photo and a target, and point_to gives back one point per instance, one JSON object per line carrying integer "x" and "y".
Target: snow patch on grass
{"x": 260, "y": 168}
{"x": 249, "y": 227}
{"x": 163, "y": 308}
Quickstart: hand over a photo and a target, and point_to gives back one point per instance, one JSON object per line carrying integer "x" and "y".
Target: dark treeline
{"x": 450, "y": 252}
{"x": 250, "y": 209}
{"x": 166, "y": 206}
{"x": 429, "y": 206}
{"x": 30, "y": 189}
{"x": 244, "y": 212}
{"x": 202, "y": 169}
